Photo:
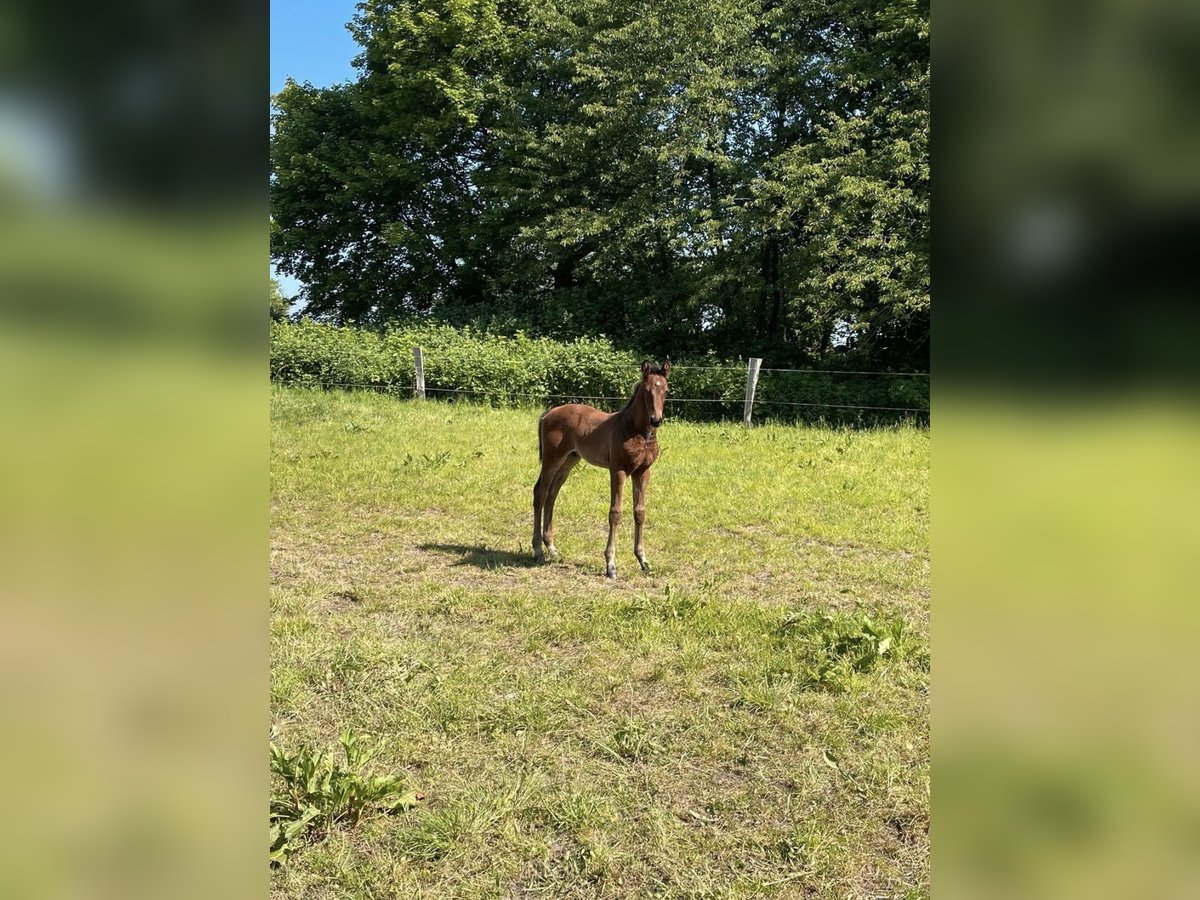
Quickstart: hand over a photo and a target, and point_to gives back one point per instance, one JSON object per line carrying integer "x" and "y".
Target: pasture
{"x": 748, "y": 719}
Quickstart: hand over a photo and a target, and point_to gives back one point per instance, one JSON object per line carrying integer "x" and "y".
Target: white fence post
{"x": 751, "y": 384}
{"x": 419, "y": 384}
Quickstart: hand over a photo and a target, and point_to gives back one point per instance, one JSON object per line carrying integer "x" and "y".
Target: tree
{"x": 732, "y": 175}
{"x": 843, "y": 189}
{"x": 279, "y": 303}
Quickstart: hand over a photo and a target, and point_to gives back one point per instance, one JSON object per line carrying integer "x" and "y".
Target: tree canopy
{"x": 279, "y": 303}
{"x": 741, "y": 176}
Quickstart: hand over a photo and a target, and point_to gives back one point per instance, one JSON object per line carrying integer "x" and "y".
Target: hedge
{"x": 473, "y": 365}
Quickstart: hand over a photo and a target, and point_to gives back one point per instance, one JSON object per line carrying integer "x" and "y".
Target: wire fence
{"x": 804, "y": 371}
{"x": 731, "y": 402}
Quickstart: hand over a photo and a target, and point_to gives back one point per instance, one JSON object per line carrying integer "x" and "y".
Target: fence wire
{"x": 574, "y": 397}
{"x": 805, "y": 371}
{"x": 846, "y": 372}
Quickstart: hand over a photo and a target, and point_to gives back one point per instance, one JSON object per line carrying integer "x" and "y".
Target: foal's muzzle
{"x": 656, "y": 421}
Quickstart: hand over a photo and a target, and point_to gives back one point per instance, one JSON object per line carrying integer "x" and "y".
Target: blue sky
{"x": 309, "y": 42}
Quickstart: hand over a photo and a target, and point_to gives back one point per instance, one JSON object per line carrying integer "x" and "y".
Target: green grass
{"x": 750, "y": 719}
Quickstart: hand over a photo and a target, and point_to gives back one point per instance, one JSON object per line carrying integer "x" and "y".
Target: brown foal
{"x": 625, "y": 443}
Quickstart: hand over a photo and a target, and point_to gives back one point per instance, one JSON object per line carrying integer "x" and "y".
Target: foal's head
{"x": 654, "y": 390}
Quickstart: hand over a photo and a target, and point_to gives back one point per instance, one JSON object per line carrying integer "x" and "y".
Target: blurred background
{"x": 1067, "y": 206}
{"x": 133, "y": 243}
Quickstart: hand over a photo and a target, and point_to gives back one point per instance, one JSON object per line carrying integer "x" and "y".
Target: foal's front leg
{"x": 617, "y": 483}
{"x": 640, "y": 482}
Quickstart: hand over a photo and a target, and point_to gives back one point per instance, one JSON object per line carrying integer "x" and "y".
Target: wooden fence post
{"x": 751, "y": 384}
{"x": 419, "y": 384}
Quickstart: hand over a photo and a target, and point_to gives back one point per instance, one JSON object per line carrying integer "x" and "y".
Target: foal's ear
{"x": 645, "y": 368}
{"x": 666, "y": 368}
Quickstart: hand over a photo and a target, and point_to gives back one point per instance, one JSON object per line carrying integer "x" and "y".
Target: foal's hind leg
{"x": 548, "y": 512}
{"x": 541, "y": 494}
{"x": 541, "y": 488}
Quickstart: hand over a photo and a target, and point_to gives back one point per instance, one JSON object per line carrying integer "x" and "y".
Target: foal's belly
{"x": 597, "y": 456}
{"x": 634, "y": 454}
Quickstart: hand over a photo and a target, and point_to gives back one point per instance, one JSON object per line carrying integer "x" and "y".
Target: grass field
{"x": 750, "y": 719}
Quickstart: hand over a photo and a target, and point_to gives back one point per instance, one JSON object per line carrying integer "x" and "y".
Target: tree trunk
{"x": 772, "y": 296}
{"x": 564, "y": 269}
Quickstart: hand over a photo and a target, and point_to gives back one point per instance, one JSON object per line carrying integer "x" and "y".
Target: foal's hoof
{"x": 645, "y": 565}
{"x": 539, "y": 558}
{"x": 610, "y": 572}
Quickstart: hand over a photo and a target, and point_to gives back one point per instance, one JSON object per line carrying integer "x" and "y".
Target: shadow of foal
{"x": 480, "y": 557}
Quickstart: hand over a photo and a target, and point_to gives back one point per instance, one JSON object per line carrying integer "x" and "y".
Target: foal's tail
{"x": 542, "y": 416}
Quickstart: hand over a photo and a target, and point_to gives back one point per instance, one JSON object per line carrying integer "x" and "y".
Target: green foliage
{"x": 821, "y": 651}
{"x": 279, "y": 303}
{"x": 316, "y": 792}
{"x": 469, "y": 364}
{"x": 681, "y": 177}
{"x": 835, "y": 647}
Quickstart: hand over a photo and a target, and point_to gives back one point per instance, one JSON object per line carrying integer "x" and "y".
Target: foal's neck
{"x": 636, "y": 419}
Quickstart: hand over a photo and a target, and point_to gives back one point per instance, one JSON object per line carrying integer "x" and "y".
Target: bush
{"x": 475, "y": 365}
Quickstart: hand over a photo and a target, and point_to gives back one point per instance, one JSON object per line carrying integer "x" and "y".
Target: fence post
{"x": 419, "y": 384}
{"x": 751, "y": 384}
